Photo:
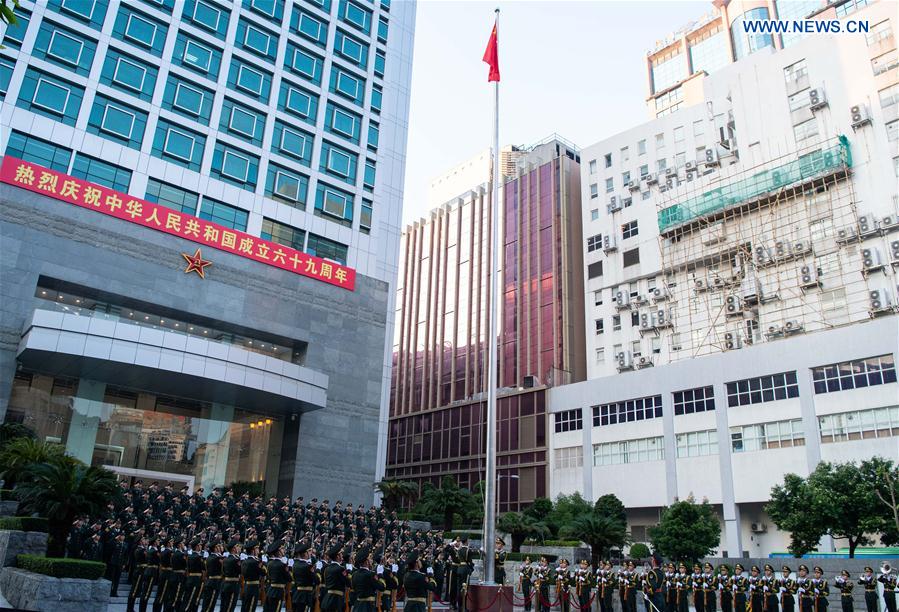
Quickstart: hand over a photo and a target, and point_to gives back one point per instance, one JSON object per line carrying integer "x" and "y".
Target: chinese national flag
{"x": 491, "y": 56}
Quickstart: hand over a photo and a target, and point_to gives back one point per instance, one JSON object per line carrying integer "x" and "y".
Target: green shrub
{"x": 639, "y": 551}
{"x": 61, "y": 568}
{"x": 23, "y": 523}
{"x": 513, "y": 556}
{"x": 471, "y": 536}
{"x": 562, "y": 543}
{"x": 7, "y": 495}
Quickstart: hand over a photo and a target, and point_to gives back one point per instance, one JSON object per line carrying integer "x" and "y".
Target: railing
{"x": 804, "y": 168}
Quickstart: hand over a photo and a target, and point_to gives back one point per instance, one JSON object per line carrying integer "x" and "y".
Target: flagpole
{"x": 492, "y": 361}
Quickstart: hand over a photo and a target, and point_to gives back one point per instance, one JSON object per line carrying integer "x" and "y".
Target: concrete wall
{"x": 330, "y": 453}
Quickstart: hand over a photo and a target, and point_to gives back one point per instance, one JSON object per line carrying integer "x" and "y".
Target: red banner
{"x": 89, "y": 195}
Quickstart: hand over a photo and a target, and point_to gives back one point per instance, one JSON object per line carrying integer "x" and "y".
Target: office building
{"x": 741, "y": 259}
{"x": 144, "y": 140}
{"x": 438, "y": 402}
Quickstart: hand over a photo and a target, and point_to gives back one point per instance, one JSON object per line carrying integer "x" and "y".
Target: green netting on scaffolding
{"x": 803, "y": 168}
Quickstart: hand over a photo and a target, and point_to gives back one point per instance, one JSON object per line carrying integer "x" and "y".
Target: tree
{"x": 393, "y": 492}
{"x": 566, "y": 509}
{"x": 20, "y": 453}
{"x": 12, "y": 431}
{"x": 521, "y": 526}
{"x": 444, "y": 502}
{"x": 63, "y": 489}
{"x": 601, "y": 532}
{"x": 844, "y": 500}
{"x": 687, "y": 531}
{"x": 540, "y": 509}
{"x": 6, "y": 11}
{"x": 885, "y": 477}
{"x": 639, "y": 551}
{"x": 609, "y": 505}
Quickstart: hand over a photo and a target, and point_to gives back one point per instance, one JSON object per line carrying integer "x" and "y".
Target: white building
{"x": 741, "y": 261}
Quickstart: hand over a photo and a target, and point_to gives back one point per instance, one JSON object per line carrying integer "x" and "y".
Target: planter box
{"x": 9, "y": 508}
{"x": 14, "y": 543}
{"x": 29, "y": 591}
{"x": 573, "y": 554}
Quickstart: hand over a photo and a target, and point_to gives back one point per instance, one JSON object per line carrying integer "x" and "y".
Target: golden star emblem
{"x": 196, "y": 263}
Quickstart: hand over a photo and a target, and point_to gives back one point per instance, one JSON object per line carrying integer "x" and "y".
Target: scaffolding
{"x": 758, "y": 254}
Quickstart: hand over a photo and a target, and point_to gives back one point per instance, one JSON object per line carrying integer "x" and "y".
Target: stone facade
{"x": 14, "y": 543}
{"x": 329, "y": 453}
{"x": 29, "y": 591}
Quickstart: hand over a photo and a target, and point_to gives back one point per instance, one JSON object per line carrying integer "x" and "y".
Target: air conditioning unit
{"x": 660, "y": 294}
{"x": 711, "y": 157}
{"x": 801, "y": 248}
{"x": 647, "y": 322}
{"x": 622, "y": 299}
{"x": 529, "y": 381}
{"x": 714, "y": 234}
{"x": 614, "y": 204}
{"x": 609, "y": 244}
{"x": 700, "y": 284}
{"x": 670, "y": 172}
{"x": 644, "y": 361}
{"x": 859, "y": 116}
{"x": 633, "y": 185}
{"x": 625, "y": 361}
{"x": 733, "y": 305}
{"x": 651, "y": 179}
{"x": 867, "y": 225}
{"x": 774, "y": 331}
{"x": 781, "y": 249}
{"x": 717, "y": 282}
{"x": 640, "y": 299}
{"x": 793, "y": 326}
{"x": 890, "y": 223}
{"x": 846, "y": 235}
{"x": 758, "y": 527}
{"x": 750, "y": 290}
{"x": 663, "y": 318}
{"x": 894, "y": 252}
{"x": 732, "y": 341}
{"x": 808, "y": 277}
{"x": 690, "y": 166}
{"x": 880, "y": 299}
{"x": 871, "y": 259}
{"x": 817, "y": 98}
{"x": 627, "y": 201}
{"x": 762, "y": 255}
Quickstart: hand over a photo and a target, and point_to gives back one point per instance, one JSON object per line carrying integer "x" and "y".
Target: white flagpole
{"x": 490, "y": 489}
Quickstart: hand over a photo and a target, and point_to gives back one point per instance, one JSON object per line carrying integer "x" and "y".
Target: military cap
{"x": 707, "y": 565}
{"x": 412, "y": 559}
{"x": 334, "y": 551}
{"x": 786, "y": 568}
{"x": 273, "y": 548}
{"x": 868, "y": 568}
{"x": 195, "y": 542}
{"x": 211, "y": 546}
{"x": 300, "y": 548}
{"x": 803, "y": 567}
{"x": 177, "y": 539}
{"x": 739, "y": 566}
{"x": 361, "y": 556}
{"x": 682, "y": 564}
{"x": 818, "y": 569}
{"x": 499, "y": 540}
{"x": 697, "y": 566}
{"x": 845, "y": 573}
{"x": 251, "y": 544}
{"x": 769, "y": 567}
{"x": 755, "y": 568}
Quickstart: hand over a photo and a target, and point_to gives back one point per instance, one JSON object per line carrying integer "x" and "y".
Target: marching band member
{"x": 888, "y": 579}
{"x": 525, "y": 582}
{"x": 803, "y": 589}
{"x": 845, "y": 585}
{"x": 820, "y": 589}
{"x": 869, "y": 583}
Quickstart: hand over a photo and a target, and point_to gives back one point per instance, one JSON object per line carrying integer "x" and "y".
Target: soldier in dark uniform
{"x": 463, "y": 572}
{"x": 499, "y": 560}
{"x": 193, "y": 582}
{"x": 786, "y": 586}
{"x": 334, "y": 581}
{"x": 845, "y": 584}
{"x": 278, "y": 578}
{"x": 392, "y": 584}
{"x": 139, "y": 563}
{"x": 165, "y": 575}
{"x": 769, "y": 589}
{"x": 251, "y": 571}
{"x": 584, "y": 581}
{"x": 417, "y": 586}
{"x": 739, "y": 586}
{"x": 117, "y": 551}
{"x": 804, "y": 590}
{"x": 820, "y": 589}
{"x": 304, "y": 580}
{"x": 542, "y": 581}
{"x": 526, "y": 582}
{"x": 150, "y": 574}
{"x": 606, "y": 586}
{"x": 563, "y": 585}
{"x": 888, "y": 580}
{"x": 695, "y": 583}
{"x": 655, "y": 581}
{"x": 869, "y": 583}
{"x": 756, "y": 596}
{"x": 176, "y": 581}
{"x": 213, "y": 585}
{"x": 723, "y": 584}
{"x": 708, "y": 588}
{"x": 682, "y": 584}
{"x": 365, "y": 583}
{"x": 230, "y": 577}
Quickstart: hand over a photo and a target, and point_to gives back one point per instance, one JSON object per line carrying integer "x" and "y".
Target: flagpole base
{"x": 489, "y": 598}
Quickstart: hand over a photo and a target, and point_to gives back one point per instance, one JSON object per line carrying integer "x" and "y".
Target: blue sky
{"x": 575, "y": 68}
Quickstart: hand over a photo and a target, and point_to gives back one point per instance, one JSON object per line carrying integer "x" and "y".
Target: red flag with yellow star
{"x": 491, "y": 56}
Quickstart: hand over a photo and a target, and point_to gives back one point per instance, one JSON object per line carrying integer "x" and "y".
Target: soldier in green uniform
{"x": 786, "y": 586}
{"x": 708, "y": 587}
{"x": 463, "y": 572}
{"x": 304, "y": 580}
{"x": 563, "y": 584}
{"x": 213, "y": 585}
{"x": 820, "y": 589}
{"x": 583, "y": 580}
{"x": 722, "y": 583}
{"x": 869, "y": 583}
{"x": 682, "y": 584}
{"x": 542, "y": 580}
{"x": 803, "y": 589}
{"x": 769, "y": 589}
{"x": 525, "y": 582}
{"x": 193, "y": 583}
{"x": 334, "y": 580}
{"x": 165, "y": 574}
{"x": 139, "y": 564}
{"x": 176, "y": 580}
{"x": 499, "y": 560}
{"x": 755, "y": 589}
{"x": 888, "y": 580}
{"x": 845, "y": 584}
{"x": 695, "y": 583}
{"x": 366, "y": 584}
{"x": 150, "y": 574}
{"x": 655, "y": 582}
{"x": 417, "y": 586}
{"x": 251, "y": 572}
{"x": 278, "y": 578}
{"x": 739, "y": 586}
{"x": 670, "y": 588}
{"x": 606, "y": 586}
{"x": 230, "y": 577}
{"x": 392, "y": 582}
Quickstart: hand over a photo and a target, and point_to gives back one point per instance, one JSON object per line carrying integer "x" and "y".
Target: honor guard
{"x": 869, "y": 584}
{"x": 193, "y": 583}
{"x": 670, "y": 588}
{"x": 139, "y": 564}
{"x": 563, "y": 583}
{"x": 334, "y": 581}
{"x": 525, "y": 582}
{"x": 452, "y": 567}
{"x": 542, "y": 581}
{"x": 888, "y": 579}
{"x": 251, "y": 572}
{"x": 739, "y": 587}
{"x": 695, "y": 583}
{"x": 230, "y": 577}
{"x": 117, "y": 551}
{"x": 708, "y": 588}
{"x": 605, "y": 586}
{"x": 176, "y": 579}
{"x": 305, "y": 579}
{"x": 583, "y": 579}
{"x": 214, "y": 576}
{"x": 804, "y": 590}
{"x": 366, "y": 585}
{"x": 820, "y": 589}
{"x": 756, "y": 597}
{"x": 278, "y": 578}
{"x": 150, "y": 574}
{"x": 722, "y": 584}
{"x": 682, "y": 584}
{"x": 845, "y": 584}
{"x": 786, "y": 587}
{"x": 417, "y": 586}
{"x": 769, "y": 589}
{"x": 655, "y": 582}
{"x": 165, "y": 574}
{"x": 499, "y": 562}
{"x": 463, "y": 572}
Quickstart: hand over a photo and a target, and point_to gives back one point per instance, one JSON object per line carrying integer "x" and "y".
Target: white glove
{"x": 783, "y": 589}
{"x": 284, "y": 559}
{"x": 430, "y": 571}
{"x": 290, "y": 563}
{"x": 318, "y": 565}
{"x": 801, "y": 591}
{"x": 765, "y": 589}
{"x": 720, "y": 587}
{"x": 265, "y": 558}
{"x": 380, "y": 569}
{"x": 227, "y": 554}
{"x": 243, "y": 556}
{"x": 349, "y": 567}
{"x": 206, "y": 555}
{"x": 817, "y": 591}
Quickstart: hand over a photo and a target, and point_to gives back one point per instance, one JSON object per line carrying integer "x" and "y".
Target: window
{"x": 242, "y": 122}
{"x": 6, "y": 68}
{"x": 36, "y": 150}
{"x": 257, "y": 40}
{"x": 597, "y": 297}
{"x": 644, "y": 170}
{"x": 690, "y": 401}
{"x": 594, "y": 243}
{"x": 834, "y": 301}
{"x": 889, "y": 96}
{"x": 680, "y": 159}
{"x": 303, "y": 63}
{"x": 629, "y": 229}
{"x": 252, "y": 82}
{"x": 101, "y": 172}
{"x": 625, "y": 177}
{"x": 298, "y": 102}
{"x": 806, "y": 130}
{"x": 698, "y": 128}
{"x": 374, "y": 133}
{"x": 235, "y": 166}
{"x": 224, "y": 214}
{"x": 326, "y": 249}
{"x": 796, "y": 73}
{"x": 346, "y": 85}
{"x": 15, "y": 34}
{"x": 678, "y": 134}
{"x": 286, "y": 185}
{"x": 592, "y": 166}
{"x": 645, "y": 195}
{"x": 171, "y": 196}
{"x": 270, "y": 9}
{"x": 629, "y": 451}
{"x": 600, "y": 356}
{"x": 885, "y": 62}
{"x": 892, "y": 130}
{"x": 639, "y": 409}
{"x": 128, "y": 74}
{"x": 599, "y": 325}
{"x": 570, "y": 457}
{"x": 881, "y": 31}
{"x": 661, "y": 164}
{"x": 697, "y": 443}
{"x": 594, "y": 214}
{"x": 281, "y": 233}
{"x": 616, "y": 322}
{"x": 594, "y": 270}
{"x": 91, "y": 12}
{"x": 636, "y": 349}
{"x": 850, "y": 7}
{"x": 641, "y": 147}
{"x": 383, "y": 27}
{"x": 668, "y": 69}
{"x": 747, "y": 42}
{"x": 292, "y": 142}
{"x": 368, "y": 178}
{"x": 179, "y": 145}
{"x": 118, "y": 122}
{"x": 607, "y": 159}
{"x": 799, "y": 100}
{"x": 780, "y": 434}
{"x": 49, "y": 96}
{"x": 207, "y": 16}
{"x": 709, "y": 51}
{"x": 351, "y": 49}
{"x": 635, "y": 318}
{"x": 660, "y": 141}
{"x": 380, "y": 63}
{"x": 140, "y": 30}
{"x": 762, "y": 389}
{"x": 63, "y": 47}
{"x": 625, "y": 154}
{"x": 594, "y": 190}
{"x": 188, "y": 99}
{"x": 339, "y": 163}
{"x": 610, "y": 185}
{"x": 355, "y": 15}
{"x": 196, "y": 56}
{"x": 309, "y": 27}
{"x": 854, "y": 374}
{"x": 631, "y": 258}
{"x": 569, "y": 420}
{"x": 860, "y": 424}
{"x": 343, "y": 123}
{"x": 334, "y": 204}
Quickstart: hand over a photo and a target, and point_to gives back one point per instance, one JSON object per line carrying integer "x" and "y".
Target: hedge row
{"x": 23, "y": 523}
{"x": 562, "y": 543}
{"x": 61, "y": 568}
{"x": 518, "y": 556}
